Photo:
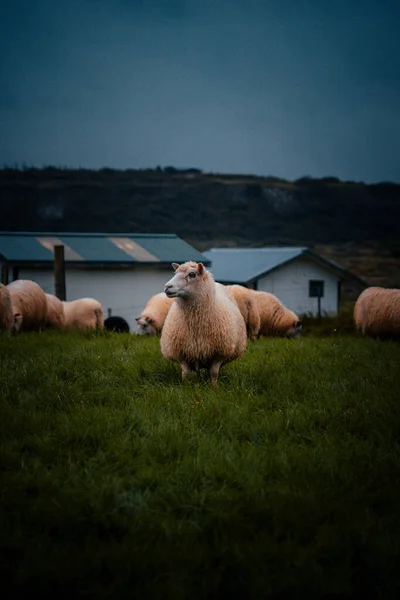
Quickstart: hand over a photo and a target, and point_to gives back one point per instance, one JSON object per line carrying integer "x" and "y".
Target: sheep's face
{"x": 145, "y": 326}
{"x": 295, "y": 330}
{"x": 17, "y": 323}
{"x": 186, "y": 280}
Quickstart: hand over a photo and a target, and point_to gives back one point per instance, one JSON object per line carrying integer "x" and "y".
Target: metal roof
{"x": 97, "y": 248}
{"x": 243, "y": 265}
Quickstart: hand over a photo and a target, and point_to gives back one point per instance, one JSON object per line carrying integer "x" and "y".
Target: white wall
{"x": 125, "y": 291}
{"x": 290, "y": 283}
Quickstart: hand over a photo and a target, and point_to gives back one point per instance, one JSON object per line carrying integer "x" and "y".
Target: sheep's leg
{"x": 186, "y": 370}
{"x": 214, "y": 371}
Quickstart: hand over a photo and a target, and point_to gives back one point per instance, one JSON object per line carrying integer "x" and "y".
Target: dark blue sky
{"x": 280, "y": 87}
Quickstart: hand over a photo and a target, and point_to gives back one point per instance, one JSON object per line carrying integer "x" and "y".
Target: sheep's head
{"x": 145, "y": 326}
{"x": 186, "y": 280}
{"x": 295, "y": 330}
{"x": 17, "y": 322}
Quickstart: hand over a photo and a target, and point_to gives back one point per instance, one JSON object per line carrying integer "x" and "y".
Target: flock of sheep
{"x": 201, "y": 323}
{"x": 24, "y": 306}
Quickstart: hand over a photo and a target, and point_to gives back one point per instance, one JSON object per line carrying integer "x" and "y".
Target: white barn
{"x": 302, "y": 279}
{"x": 122, "y": 271}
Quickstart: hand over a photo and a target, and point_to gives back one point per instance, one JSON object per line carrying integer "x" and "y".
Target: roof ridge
{"x": 86, "y": 234}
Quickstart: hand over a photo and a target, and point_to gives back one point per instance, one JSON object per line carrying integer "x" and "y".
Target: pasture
{"x": 120, "y": 481}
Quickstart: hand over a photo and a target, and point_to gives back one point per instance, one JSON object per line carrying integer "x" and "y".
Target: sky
{"x": 287, "y": 88}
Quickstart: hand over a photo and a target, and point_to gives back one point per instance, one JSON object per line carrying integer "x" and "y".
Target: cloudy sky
{"x": 269, "y": 87}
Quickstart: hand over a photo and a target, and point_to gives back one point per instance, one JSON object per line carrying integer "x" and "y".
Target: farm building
{"x": 302, "y": 279}
{"x": 122, "y": 271}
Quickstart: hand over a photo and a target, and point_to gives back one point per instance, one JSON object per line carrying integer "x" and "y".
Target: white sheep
{"x": 55, "y": 312}
{"x": 84, "y": 313}
{"x": 29, "y": 305}
{"x": 377, "y": 312}
{"x": 248, "y": 307}
{"x": 6, "y": 311}
{"x": 275, "y": 318}
{"x": 152, "y": 317}
{"x": 204, "y": 327}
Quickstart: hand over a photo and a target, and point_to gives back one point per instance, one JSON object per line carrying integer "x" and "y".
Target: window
{"x": 316, "y": 288}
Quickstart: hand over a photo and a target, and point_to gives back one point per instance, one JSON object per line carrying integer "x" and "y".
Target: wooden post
{"x": 15, "y": 273}
{"x": 4, "y": 274}
{"x": 109, "y": 310}
{"x": 59, "y": 272}
{"x": 319, "y": 306}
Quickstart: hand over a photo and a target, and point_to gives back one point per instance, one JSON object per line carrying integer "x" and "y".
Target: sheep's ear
{"x": 175, "y": 266}
{"x": 137, "y": 319}
{"x": 200, "y": 268}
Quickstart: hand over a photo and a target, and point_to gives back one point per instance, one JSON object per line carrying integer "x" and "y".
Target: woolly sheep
{"x": 55, "y": 312}
{"x": 204, "y": 327}
{"x": 84, "y": 313}
{"x": 275, "y": 318}
{"x": 29, "y": 305}
{"x": 152, "y": 317}
{"x": 6, "y": 311}
{"x": 248, "y": 307}
{"x": 377, "y": 312}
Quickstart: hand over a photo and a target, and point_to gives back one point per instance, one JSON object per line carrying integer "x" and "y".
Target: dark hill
{"x": 204, "y": 209}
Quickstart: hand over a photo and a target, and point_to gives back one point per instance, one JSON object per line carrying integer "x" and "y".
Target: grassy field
{"x": 119, "y": 481}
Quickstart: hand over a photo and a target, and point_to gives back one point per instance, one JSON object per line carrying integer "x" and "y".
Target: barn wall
{"x": 125, "y": 291}
{"x": 290, "y": 283}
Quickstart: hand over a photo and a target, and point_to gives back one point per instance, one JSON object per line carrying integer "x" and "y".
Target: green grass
{"x": 120, "y": 481}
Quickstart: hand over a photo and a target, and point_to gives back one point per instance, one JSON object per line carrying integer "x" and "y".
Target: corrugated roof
{"x": 242, "y": 265}
{"x": 81, "y": 248}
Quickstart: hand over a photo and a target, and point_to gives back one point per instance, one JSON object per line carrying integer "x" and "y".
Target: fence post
{"x": 4, "y": 274}
{"x": 59, "y": 272}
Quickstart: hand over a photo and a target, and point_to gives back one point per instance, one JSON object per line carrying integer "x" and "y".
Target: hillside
{"x": 353, "y": 222}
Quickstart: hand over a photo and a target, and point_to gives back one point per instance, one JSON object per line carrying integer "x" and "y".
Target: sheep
{"x": 29, "y": 305}
{"x": 6, "y": 311}
{"x": 152, "y": 317}
{"x": 377, "y": 312}
{"x": 55, "y": 312}
{"x": 204, "y": 327}
{"x": 276, "y": 319}
{"x": 84, "y": 313}
{"x": 116, "y": 324}
{"x": 248, "y": 307}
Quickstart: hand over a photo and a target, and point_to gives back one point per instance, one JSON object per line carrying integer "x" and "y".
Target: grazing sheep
{"x": 6, "y": 311}
{"x": 29, "y": 305}
{"x": 55, "y": 312}
{"x": 85, "y": 313}
{"x": 204, "y": 327}
{"x": 116, "y": 324}
{"x": 276, "y": 319}
{"x": 152, "y": 318}
{"x": 248, "y": 307}
{"x": 377, "y": 312}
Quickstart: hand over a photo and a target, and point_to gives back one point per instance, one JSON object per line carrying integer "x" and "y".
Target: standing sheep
{"x": 55, "y": 312}
{"x": 85, "y": 313}
{"x": 29, "y": 305}
{"x": 248, "y": 307}
{"x": 152, "y": 317}
{"x": 276, "y": 319}
{"x": 377, "y": 312}
{"x": 6, "y": 311}
{"x": 204, "y": 327}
